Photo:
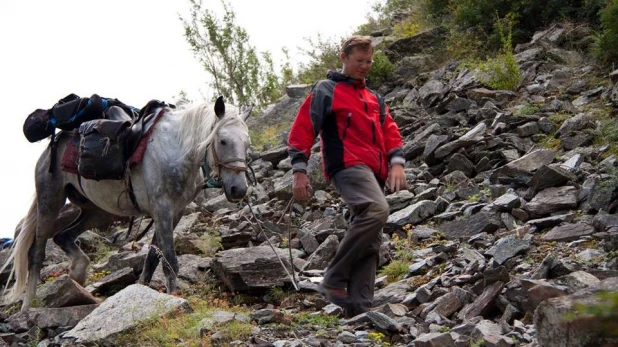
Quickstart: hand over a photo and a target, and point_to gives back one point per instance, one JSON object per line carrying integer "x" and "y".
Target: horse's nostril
{"x": 234, "y": 190}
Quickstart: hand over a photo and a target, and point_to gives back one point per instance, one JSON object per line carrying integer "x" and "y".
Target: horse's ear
{"x": 219, "y": 107}
{"x": 246, "y": 113}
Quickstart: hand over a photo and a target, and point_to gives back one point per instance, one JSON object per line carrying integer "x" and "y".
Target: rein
{"x": 292, "y": 276}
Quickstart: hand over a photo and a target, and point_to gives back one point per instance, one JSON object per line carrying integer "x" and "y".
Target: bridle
{"x": 214, "y": 181}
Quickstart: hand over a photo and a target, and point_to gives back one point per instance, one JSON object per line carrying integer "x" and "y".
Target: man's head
{"x": 357, "y": 56}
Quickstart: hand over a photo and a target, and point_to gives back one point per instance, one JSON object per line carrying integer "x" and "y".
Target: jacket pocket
{"x": 347, "y": 125}
{"x": 373, "y": 132}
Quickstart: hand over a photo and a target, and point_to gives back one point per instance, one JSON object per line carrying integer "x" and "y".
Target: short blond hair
{"x": 363, "y": 43}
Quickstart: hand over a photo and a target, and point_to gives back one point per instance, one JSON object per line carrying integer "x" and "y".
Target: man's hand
{"x": 301, "y": 186}
{"x": 397, "y": 178}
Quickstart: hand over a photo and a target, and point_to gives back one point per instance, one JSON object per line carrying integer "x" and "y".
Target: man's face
{"x": 358, "y": 63}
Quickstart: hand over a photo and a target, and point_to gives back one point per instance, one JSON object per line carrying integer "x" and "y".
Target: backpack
{"x": 102, "y": 151}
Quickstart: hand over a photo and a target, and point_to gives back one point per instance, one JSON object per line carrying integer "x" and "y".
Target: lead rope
{"x": 258, "y": 223}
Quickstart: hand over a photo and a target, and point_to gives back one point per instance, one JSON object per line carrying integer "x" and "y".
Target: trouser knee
{"x": 378, "y": 211}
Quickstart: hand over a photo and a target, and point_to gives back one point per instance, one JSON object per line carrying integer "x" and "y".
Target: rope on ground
{"x": 258, "y": 223}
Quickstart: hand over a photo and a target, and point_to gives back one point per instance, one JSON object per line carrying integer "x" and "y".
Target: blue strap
{"x": 210, "y": 181}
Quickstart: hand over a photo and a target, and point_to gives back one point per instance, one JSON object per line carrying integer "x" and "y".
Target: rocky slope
{"x": 507, "y": 224}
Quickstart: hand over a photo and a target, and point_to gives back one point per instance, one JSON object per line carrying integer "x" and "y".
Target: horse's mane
{"x": 199, "y": 125}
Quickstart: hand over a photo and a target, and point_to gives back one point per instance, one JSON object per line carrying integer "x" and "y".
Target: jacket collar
{"x": 339, "y": 77}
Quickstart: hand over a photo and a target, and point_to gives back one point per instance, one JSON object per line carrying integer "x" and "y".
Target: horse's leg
{"x": 151, "y": 263}
{"x": 89, "y": 217}
{"x": 152, "y": 260}
{"x": 50, "y": 198}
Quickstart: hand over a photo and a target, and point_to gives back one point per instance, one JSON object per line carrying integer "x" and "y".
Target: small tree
{"x": 323, "y": 56}
{"x": 182, "y": 99}
{"x": 502, "y": 72}
{"x": 223, "y": 49}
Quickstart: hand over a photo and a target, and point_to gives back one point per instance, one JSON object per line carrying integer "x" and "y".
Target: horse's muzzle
{"x": 237, "y": 192}
{"x": 236, "y": 188}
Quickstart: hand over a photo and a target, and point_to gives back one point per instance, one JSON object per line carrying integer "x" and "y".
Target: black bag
{"x": 72, "y": 110}
{"x": 68, "y": 113}
{"x": 102, "y": 149}
{"x": 37, "y": 126}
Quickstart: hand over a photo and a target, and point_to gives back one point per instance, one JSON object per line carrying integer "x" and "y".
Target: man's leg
{"x": 359, "y": 249}
{"x": 362, "y": 280}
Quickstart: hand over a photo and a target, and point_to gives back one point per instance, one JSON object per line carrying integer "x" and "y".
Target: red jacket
{"x": 355, "y": 127}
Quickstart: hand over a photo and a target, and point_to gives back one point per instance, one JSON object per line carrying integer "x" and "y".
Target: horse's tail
{"x": 19, "y": 254}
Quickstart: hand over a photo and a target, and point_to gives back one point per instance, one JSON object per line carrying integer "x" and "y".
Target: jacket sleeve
{"x": 392, "y": 139}
{"x": 308, "y": 123}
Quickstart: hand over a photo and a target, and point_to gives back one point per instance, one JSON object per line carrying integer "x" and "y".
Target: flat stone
{"x": 434, "y": 340}
{"x": 413, "y": 214}
{"x": 484, "y": 303}
{"x": 447, "y": 304}
{"x": 507, "y": 202}
{"x": 568, "y": 232}
{"x": 242, "y": 269}
{"x": 552, "y": 200}
{"x": 125, "y": 310}
{"x": 465, "y": 228}
{"x": 508, "y": 247}
{"x": 551, "y": 221}
{"x": 550, "y": 176}
{"x": 579, "y": 280}
{"x": 63, "y": 292}
{"x": 527, "y": 164}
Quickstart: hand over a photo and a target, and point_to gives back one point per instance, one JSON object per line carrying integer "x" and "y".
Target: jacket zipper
{"x": 347, "y": 125}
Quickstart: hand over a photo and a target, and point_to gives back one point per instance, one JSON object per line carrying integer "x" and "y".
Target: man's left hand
{"x": 397, "y": 178}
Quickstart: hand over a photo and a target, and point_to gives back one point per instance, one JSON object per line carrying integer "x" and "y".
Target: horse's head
{"x": 229, "y": 150}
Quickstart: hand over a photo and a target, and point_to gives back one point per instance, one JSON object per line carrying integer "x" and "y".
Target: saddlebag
{"x": 103, "y": 149}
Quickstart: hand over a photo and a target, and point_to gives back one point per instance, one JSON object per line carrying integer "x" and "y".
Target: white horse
{"x": 168, "y": 178}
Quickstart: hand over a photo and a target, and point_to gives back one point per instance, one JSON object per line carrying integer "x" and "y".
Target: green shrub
{"x": 406, "y": 28}
{"x": 381, "y": 70}
{"x": 267, "y": 136}
{"x": 606, "y": 48}
{"x": 323, "y": 55}
{"x": 395, "y": 270}
{"x": 531, "y": 16}
{"x": 502, "y": 72}
{"x": 528, "y": 110}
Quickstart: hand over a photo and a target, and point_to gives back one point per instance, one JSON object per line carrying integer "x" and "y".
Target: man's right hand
{"x": 301, "y": 186}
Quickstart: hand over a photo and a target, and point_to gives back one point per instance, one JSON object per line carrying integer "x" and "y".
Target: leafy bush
{"x": 264, "y": 137}
{"x": 502, "y": 72}
{"x": 605, "y": 49}
{"x": 406, "y": 17}
{"x": 381, "y": 70}
{"x": 395, "y": 270}
{"x": 406, "y": 28}
{"x": 323, "y": 55}
{"x": 531, "y": 15}
{"x": 528, "y": 110}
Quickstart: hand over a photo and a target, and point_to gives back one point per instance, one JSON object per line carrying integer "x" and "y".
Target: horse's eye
{"x": 223, "y": 143}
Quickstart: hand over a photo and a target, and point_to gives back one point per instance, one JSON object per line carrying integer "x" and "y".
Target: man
{"x": 359, "y": 139}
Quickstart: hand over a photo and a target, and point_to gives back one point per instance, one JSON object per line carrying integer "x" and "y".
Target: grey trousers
{"x": 355, "y": 263}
